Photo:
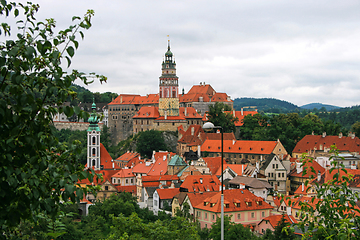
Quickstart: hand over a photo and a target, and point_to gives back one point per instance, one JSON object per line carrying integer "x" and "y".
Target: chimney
{"x": 302, "y": 187}
{"x": 319, "y": 176}
{"x": 298, "y": 167}
{"x": 324, "y": 134}
{"x": 234, "y": 113}
{"x": 165, "y": 114}
{"x": 312, "y": 133}
{"x": 192, "y": 131}
{"x": 185, "y": 112}
{"x": 242, "y": 111}
{"x": 288, "y": 211}
{"x": 120, "y": 99}
{"x": 233, "y": 141}
{"x": 340, "y": 135}
{"x": 168, "y": 157}
{"x": 198, "y": 151}
{"x": 201, "y": 180}
{"x": 113, "y": 164}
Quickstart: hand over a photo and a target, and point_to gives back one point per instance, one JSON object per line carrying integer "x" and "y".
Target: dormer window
{"x": 227, "y": 205}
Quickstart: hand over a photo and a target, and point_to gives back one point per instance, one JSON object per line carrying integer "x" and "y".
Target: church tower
{"x": 168, "y": 86}
{"x": 93, "y": 140}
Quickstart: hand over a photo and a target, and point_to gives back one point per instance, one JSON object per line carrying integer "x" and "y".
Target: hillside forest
{"x": 277, "y": 119}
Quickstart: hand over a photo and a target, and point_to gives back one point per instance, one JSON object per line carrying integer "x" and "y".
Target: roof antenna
{"x": 168, "y": 42}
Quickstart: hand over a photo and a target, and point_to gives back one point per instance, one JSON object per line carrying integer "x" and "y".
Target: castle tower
{"x": 93, "y": 140}
{"x": 168, "y": 86}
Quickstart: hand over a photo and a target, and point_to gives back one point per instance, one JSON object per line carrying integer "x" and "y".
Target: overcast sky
{"x": 298, "y": 51}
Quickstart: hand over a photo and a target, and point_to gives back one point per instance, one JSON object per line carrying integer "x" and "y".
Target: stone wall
{"x": 81, "y": 126}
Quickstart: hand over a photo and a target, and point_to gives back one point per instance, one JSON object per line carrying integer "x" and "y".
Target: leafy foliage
{"x": 36, "y": 172}
{"x": 288, "y": 128}
{"x": 332, "y": 213}
{"x": 232, "y": 231}
{"x": 219, "y": 117}
{"x": 149, "y": 141}
{"x": 265, "y": 105}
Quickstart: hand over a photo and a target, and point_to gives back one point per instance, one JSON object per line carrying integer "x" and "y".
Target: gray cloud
{"x": 301, "y": 52}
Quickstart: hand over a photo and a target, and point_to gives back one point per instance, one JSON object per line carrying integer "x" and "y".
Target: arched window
{"x": 93, "y": 140}
{"x": 93, "y": 162}
{"x": 93, "y": 151}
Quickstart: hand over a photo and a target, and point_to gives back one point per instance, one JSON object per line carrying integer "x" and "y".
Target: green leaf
{"x": 68, "y": 60}
{"x": 70, "y": 50}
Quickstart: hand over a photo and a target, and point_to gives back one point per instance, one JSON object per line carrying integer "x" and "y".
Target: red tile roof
{"x": 128, "y": 156}
{"x": 248, "y": 201}
{"x": 309, "y": 173}
{"x": 158, "y": 178}
{"x": 106, "y": 159}
{"x": 192, "y": 135}
{"x": 213, "y": 163}
{"x": 220, "y": 97}
{"x": 130, "y": 189}
{"x": 147, "y": 112}
{"x": 141, "y": 168}
{"x": 237, "y": 168}
{"x": 196, "y": 197}
{"x": 201, "y": 183}
{"x": 217, "y": 136}
{"x": 327, "y": 176}
{"x": 167, "y": 193}
{"x": 160, "y": 165}
{"x": 274, "y": 219}
{"x": 309, "y": 142}
{"x": 189, "y": 112}
{"x": 206, "y": 92}
{"x": 135, "y": 99}
{"x": 106, "y": 174}
{"x": 124, "y": 173}
{"x": 240, "y": 146}
{"x": 304, "y": 199}
{"x": 240, "y": 115}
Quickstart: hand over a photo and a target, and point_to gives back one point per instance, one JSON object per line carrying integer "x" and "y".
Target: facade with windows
{"x": 276, "y": 172}
{"x": 240, "y": 205}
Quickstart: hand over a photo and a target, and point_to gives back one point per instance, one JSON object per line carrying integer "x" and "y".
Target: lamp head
{"x": 208, "y": 126}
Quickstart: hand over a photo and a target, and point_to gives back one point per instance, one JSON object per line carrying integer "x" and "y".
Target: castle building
{"x": 165, "y": 111}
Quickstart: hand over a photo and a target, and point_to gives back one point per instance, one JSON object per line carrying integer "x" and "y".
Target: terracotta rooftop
{"x": 167, "y": 193}
{"x": 309, "y": 173}
{"x": 213, "y": 163}
{"x": 274, "y": 219}
{"x": 126, "y": 99}
{"x": 310, "y": 142}
{"x": 240, "y": 146}
{"x": 124, "y": 173}
{"x": 240, "y": 115}
{"x": 237, "y": 168}
{"x": 235, "y": 200}
{"x": 201, "y": 183}
{"x": 147, "y": 112}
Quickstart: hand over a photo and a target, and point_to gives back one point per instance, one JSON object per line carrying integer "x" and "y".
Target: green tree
{"x": 149, "y": 141}
{"x": 219, "y": 117}
{"x": 36, "y": 172}
{"x": 283, "y": 231}
{"x": 355, "y": 128}
{"x": 334, "y": 214}
{"x": 105, "y": 137}
{"x": 232, "y": 231}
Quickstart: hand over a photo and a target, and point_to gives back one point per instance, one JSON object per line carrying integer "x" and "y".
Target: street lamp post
{"x": 208, "y": 126}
